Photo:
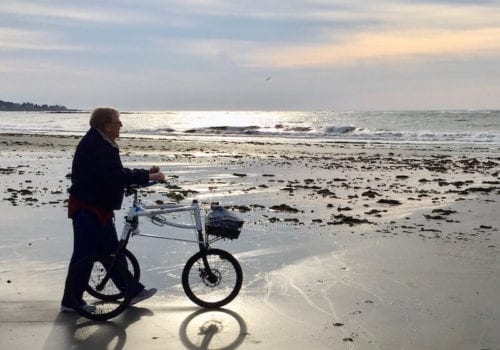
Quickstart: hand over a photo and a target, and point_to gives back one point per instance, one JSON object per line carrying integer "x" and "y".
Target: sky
{"x": 348, "y": 55}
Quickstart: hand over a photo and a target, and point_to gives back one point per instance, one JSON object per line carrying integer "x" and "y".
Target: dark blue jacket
{"x": 98, "y": 177}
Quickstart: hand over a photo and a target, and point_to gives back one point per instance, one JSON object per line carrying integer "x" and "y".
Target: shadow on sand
{"x": 78, "y": 333}
{"x": 202, "y": 329}
{"x": 220, "y": 329}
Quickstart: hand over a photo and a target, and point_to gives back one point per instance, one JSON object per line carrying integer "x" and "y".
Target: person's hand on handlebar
{"x": 155, "y": 174}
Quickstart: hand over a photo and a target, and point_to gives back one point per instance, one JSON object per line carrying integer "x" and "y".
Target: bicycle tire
{"x": 214, "y": 288}
{"x": 132, "y": 266}
{"x": 87, "y": 305}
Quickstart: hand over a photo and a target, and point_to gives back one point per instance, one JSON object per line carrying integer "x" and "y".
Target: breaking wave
{"x": 390, "y": 126}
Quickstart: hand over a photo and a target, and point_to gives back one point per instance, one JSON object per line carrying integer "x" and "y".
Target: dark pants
{"x": 91, "y": 238}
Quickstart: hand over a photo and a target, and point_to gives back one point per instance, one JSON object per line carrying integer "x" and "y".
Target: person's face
{"x": 113, "y": 128}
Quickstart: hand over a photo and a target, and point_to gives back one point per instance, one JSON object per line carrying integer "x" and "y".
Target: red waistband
{"x": 103, "y": 215}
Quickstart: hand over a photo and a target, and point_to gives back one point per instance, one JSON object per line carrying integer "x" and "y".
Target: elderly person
{"x": 98, "y": 180}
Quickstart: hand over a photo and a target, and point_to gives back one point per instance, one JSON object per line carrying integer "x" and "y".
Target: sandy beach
{"x": 345, "y": 246}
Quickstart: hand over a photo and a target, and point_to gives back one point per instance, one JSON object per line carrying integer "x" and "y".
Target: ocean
{"x": 469, "y": 127}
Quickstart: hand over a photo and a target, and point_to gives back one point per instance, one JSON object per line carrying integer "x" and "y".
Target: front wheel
{"x": 212, "y": 278}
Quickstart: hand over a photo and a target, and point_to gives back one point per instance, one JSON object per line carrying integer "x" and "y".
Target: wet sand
{"x": 355, "y": 246}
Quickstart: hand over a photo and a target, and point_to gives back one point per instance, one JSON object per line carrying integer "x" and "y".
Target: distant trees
{"x": 31, "y": 107}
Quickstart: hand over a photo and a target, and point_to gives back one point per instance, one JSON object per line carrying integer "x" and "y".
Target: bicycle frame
{"x": 131, "y": 227}
{"x": 155, "y": 212}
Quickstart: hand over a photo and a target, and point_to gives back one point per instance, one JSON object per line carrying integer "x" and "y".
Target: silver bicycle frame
{"x": 151, "y": 211}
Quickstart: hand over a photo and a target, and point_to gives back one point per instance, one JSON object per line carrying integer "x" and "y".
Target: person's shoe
{"x": 89, "y": 308}
{"x": 143, "y": 295}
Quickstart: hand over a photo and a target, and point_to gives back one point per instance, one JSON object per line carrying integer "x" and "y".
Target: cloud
{"x": 363, "y": 32}
{"x": 74, "y": 13}
{"x": 375, "y": 46}
{"x": 24, "y": 39}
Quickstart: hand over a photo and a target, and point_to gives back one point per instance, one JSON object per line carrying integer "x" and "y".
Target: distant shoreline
{"x": 6, "y": 106}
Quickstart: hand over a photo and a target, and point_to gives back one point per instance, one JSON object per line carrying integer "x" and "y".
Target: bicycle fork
{"x": 206, "y": 272}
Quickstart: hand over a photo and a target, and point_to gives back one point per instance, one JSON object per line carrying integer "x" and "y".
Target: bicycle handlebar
{"x": 132, "y": 189}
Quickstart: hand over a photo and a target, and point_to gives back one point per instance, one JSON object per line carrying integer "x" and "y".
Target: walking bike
{"x": 211, "y": 277}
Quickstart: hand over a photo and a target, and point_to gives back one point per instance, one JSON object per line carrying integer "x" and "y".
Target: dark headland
{"x": 32, "y": 107}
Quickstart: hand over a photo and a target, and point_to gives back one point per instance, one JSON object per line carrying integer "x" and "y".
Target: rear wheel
{"x": 92, "y": 274}
{"x": 212, "y": 278}
{"x": 131, "y": 264}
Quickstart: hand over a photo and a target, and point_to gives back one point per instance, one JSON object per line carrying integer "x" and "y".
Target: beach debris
{"x": 172, "y": 186}
{"x": 375, "y": 212}
{"x": 179, "y": 194}
{"x": 326, "y": 192}
{"x": 349, "y": 220}
{"x": 389, "y": 201}
{"x": 491, "y": 182}
{"x": 7, "y": 171}
{"x": 444, "y": 211}
{"x": 434, "y": 217}
{"x": 285, "y": 208}
{"x": 25, "y": 192}
{"x": 479, "y": 189}
{"x": 344, "y": 209}
{"x": 240, "y": 208}
{"x": 370, "y": 194}
{"x": 287, "y": 188}
{"x": 175, "y": 196}
{"x": 273, "y": 219}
